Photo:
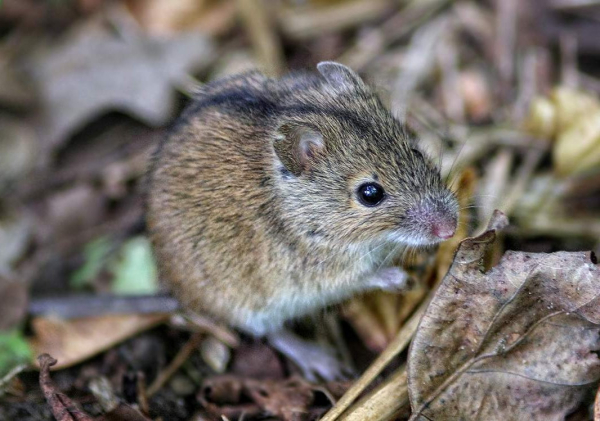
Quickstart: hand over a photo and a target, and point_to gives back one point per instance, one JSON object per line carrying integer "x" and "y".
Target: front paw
{"x": 391, "y": 279}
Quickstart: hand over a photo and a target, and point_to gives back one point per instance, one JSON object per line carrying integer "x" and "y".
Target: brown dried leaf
{"x": 63, "y": 408}
{"x": 72, "y": 341}
{"x": 233, "y": 396}
{"x": 112, "y": 65}
{"x": 513, "y": 343}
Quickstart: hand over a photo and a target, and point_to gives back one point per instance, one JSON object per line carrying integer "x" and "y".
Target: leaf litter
{"x": 90, "y": 86}
{"x": 518, "y": 339}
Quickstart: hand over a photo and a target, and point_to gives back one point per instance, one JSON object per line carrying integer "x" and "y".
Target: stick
{"x": 395, "y": 347}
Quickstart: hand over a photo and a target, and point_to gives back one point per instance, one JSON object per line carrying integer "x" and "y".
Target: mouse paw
{"x": 391, "y": 279}
{"x": 317, "y": 363}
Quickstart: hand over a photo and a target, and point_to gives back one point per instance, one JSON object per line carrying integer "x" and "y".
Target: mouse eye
{"x": 370, "y": 194}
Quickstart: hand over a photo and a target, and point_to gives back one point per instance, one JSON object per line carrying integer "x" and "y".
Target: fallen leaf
{"x": 102, "y": 66}
{"x": 73, "y": 341}
{"x": 63, "y": 408}
{"x": 514, "y": 343}
{"x": 233, "y": 396}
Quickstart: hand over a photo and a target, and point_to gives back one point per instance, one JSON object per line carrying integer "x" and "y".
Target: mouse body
{"x": 273, "y": 198}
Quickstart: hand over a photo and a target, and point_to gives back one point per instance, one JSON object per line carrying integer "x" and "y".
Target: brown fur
{"x": 241, "y": 236}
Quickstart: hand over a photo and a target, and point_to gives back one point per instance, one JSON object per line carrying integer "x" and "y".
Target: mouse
{"x": 273, "y": 198}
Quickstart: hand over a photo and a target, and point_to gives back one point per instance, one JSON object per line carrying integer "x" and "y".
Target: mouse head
{"x": 348, "y": 172}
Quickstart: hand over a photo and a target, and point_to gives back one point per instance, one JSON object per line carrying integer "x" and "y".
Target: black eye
{"x": 370, "y": 194}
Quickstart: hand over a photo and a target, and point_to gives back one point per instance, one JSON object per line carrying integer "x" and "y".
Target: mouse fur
{"x": 253, "y": 208}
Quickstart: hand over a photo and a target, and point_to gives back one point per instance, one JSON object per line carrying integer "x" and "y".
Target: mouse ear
{"x": 340, "y": 76}
{"x": 297, "y": 145}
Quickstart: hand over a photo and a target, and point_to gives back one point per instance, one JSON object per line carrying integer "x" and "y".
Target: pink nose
{"x": 444, "y": 229}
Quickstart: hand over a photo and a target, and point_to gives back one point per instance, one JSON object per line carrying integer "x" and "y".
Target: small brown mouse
{"x": 272, "y": 198}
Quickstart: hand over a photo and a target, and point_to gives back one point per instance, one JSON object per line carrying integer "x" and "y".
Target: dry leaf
{"x": 102, "y": 66}
{"x": 514, "y": 343}
{"x": 73, "y": 341}
{"x": 62, "y": 407}
{"x": 232, "y": 396}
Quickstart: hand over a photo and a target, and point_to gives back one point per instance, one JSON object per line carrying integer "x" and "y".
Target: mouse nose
{"x": 444, "y": 228}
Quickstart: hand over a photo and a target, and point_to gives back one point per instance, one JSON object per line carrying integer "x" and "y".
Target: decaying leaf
{"x": 72, "y": 341}
{"x": 63, "y": 408}
{"x": 514, "y": 343}
{"x": 103, "y": 66}
{"x": 233, "y": 396}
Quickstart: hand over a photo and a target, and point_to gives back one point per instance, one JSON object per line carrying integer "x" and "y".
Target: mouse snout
{"x": 444, "y": 228}
{"x": 437, "y": 218}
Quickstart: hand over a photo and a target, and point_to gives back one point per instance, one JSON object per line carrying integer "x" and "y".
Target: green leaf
{"x": 14, "y": 350}
{"x": 135, "y": 270}
{"x": 95, "y": 254}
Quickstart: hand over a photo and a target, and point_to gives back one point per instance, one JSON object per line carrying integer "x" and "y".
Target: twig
{"x": 182, "y": 356}
{"x": 315, "y": 21}
{"x": 417, "y": 65}
{"x": 573, "y": 4}
{"x": 568, "y": 59}
{"x": 395, "y": 347}
{"x": 447, "y": 57}
{"x": 521, "y": 179}
{"x": 77, "y": 306}
{"x": 263, "y": 35}
{"x": 494, "y": 185}
{"x": 142, "y": 393}
{"x": 204, "y": 324}
{"x": 4, "y": 381}
{"x": 398, "y": 26}
{"x": 387, "y": 401}
{"x": 63, "y": 408}
{"x": 506, "y": 25}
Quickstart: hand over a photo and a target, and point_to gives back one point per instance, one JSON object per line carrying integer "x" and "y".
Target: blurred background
{"x": 504, "y": 93}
